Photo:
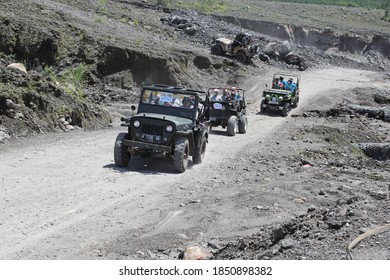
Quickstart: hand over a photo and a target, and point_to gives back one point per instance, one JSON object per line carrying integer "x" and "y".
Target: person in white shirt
{"x": 216, "y": 96}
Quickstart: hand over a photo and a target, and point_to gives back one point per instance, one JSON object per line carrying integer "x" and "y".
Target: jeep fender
{"x": 188, "y": 135}
{"x": 202, "y": 134}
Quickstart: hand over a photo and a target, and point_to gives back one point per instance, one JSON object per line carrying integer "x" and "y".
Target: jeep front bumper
{"x": 273, "y": 107}
{"x": 147, "y": 146}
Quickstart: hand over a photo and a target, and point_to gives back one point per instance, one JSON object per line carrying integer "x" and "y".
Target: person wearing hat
{"x": 187, "y": 102}
{"x": 216, "y": 96}
{"x": 291, "y": 86}
{"x": 226, "y": 95}
{"x": 282, "y": 83}
{"x": 275, "y": 83}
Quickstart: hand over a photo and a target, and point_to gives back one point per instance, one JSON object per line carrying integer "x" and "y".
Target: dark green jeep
{"x": 227, "y": 108}
{"x": 170, "y": 121}
{"x": 283, "y": 94}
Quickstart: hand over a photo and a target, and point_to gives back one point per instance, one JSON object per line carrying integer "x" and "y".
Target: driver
{"x": 187, "y": 103}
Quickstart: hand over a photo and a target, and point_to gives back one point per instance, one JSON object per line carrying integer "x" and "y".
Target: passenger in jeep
{"x": 225, "y": 95}
{"x": 282, "y": 83}
{"x": 290, "y": 85}
{"x": 216, "y": 96}
{"x": 187, "y": 103}
{"x": 275, "y": 83}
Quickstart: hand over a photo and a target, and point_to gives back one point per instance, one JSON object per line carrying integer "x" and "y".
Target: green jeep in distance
{"x": 170, "y": 121}
{"x": 278, "y": 98}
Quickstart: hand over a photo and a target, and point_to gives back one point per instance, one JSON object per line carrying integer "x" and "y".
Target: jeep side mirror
{"x": 132, "y": 110}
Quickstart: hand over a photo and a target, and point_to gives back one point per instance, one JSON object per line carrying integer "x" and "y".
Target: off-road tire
{"x": 181, "y": 154}
{"x": 243, "y": 125}
{"x": 216, "y": 49}
{"x": 200, "y": 151}
{"x": 262, "y": 109}
{"x": 296, "y": 101}
{"x": 286, "y": 109}
{"x": 121, "y": 153}
{"x": 241, "y": 57}
{"x": 232, "y": 126}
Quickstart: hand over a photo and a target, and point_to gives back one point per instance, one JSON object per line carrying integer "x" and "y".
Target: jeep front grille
{"x": 152, "y": 129}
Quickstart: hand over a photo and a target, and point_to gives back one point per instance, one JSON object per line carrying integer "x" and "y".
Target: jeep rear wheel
{"x": 121, "y": 153}
{"x": 286, "y": 109}
{"x": 241, "y": 57}
{"x": 232, "y": 126}
{"x": 216, "y": 49}
{"x": 200, "y": 151}
{"x": 181, "y": 154}
{"x": 243, "y": 124}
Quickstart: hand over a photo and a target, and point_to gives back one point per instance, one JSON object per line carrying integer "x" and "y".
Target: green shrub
{"x": 101, "y": 7}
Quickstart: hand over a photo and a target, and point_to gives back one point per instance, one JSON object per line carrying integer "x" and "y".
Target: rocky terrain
{"x": 305, "y": 191}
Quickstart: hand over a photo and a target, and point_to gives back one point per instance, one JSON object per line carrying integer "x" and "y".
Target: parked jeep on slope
{"x": 242, "y": 47}
{"x": 278, "y": 97}
{"x": 170, "y": 121}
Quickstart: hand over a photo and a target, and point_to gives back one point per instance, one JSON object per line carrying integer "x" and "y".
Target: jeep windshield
{"x": 165, "y": 102}
{"x": 169, "y": 99}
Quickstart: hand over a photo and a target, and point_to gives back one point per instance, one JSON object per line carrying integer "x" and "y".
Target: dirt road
{"x": 62, "y": 197}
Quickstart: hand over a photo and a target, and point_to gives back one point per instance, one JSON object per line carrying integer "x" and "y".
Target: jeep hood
{"x": 276, "y": 91}
{"x": 178, "y": 121}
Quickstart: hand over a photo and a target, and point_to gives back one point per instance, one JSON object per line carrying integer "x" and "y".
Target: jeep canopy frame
{"x": 164, "y": 99}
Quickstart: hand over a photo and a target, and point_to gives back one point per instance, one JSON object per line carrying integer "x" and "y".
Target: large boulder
{"x": 292, "y": 58}
{"x": 271, "y": 49}
{"x": 17, "y": 68}
{"x": 285, "y": 48}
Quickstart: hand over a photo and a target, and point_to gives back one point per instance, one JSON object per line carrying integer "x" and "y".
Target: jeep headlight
{"x": 268, "y": 97}
{"x": 169, "y": 128}
{"x": 280, "y": 98}
{"x": 136, "y": 123}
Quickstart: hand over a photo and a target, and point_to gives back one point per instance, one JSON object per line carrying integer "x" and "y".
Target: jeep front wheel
{"x": 181, "y": 154}
{"x": 232, "y": 126}
{"x": 286, "y": 109}
{"x": 200, "y": 151}
{"x": 121, "y": 153}
{"x": 262, "y": 108}
{"x": 296, "y": 101}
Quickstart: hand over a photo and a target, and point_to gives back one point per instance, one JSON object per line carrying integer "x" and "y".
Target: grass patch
{"x": 71, "y": 80}
{"x": 204, "y": 6}
{"x": 207, "y": 6}
{"x": 101, "y": 7}
{"x": 375, "y": 4}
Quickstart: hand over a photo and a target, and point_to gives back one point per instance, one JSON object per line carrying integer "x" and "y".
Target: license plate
{"x": 150, "y": 138}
